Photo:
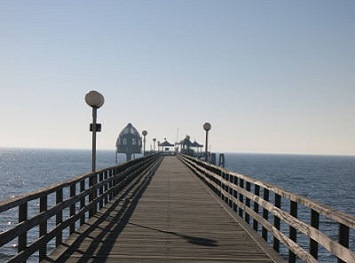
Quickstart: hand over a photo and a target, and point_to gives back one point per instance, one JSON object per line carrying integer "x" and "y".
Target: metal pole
{"x": 94, "y": 117}
{"x": 144, "y": 145}
{"x": 206, "y": 148}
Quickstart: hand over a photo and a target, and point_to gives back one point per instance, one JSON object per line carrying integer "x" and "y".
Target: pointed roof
{"x": 129, "y": 140}
{"x": 196, "y": 144}
{"x": 129, "y": 130}
{"x": 166, "y": 144}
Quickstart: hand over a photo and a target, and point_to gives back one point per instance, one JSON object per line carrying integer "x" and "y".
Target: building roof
{"x": 129, "y": 141}
{"x": 166, "y": 144}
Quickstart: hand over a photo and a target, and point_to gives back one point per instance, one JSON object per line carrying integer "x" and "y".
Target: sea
{"x": 326, "y": 179}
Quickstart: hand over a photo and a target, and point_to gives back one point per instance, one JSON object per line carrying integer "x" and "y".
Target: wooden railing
{"x": 294, "y": 221}
{"x": 65, "y": 206}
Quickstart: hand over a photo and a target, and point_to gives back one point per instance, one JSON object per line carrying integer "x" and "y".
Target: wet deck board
{"x": 171, "y": 217}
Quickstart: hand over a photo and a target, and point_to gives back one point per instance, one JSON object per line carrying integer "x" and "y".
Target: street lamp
{"x": 95, "y": 100}
{"x": 206, "y": 127}
{"x": 154, "y": 140}
{"x": 144, "y": 134}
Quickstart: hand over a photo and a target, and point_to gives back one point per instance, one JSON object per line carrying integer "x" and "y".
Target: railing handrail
{"x": 331, "y": 213}
{"x": 95, "y": 190}
{"x": 235, "y": 190}
{"x": 20, "y": 199}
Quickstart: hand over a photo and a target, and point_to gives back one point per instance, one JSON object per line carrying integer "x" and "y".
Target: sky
{"x": 270, "y": 76}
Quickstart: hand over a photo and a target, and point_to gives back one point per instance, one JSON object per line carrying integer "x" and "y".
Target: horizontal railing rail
{"x": 293, "y": 221}
{"x": 48, "y": 212}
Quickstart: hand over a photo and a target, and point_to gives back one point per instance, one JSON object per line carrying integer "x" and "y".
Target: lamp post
{"x": 154, "y": 140}
{"x": 144, "y": 134}
{"x": 95, "y": 100}
{"x": 206, "y": 127}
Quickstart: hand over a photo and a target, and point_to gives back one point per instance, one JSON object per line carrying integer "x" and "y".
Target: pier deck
{"x": 170, "y": 217}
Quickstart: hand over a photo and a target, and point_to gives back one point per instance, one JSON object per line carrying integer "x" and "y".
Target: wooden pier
{"x": 169, "y": 217}
{"x": 172, "y": 209}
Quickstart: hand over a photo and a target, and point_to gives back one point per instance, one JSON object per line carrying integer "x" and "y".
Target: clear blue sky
{"x": 270, "y": 76}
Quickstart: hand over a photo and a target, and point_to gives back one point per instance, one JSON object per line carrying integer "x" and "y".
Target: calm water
{"x": 328, "y": 179}
{"x": 25, "y": 170}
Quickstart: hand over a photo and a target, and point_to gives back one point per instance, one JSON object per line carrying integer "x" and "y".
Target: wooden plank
{"x": 167, "y": 218}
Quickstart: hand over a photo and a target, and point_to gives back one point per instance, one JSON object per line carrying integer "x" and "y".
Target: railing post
{"x": 22, "y": 238}
{"x": 313, "y": 247}
{"x": 277, "y": 222}
{"x": 101, "y": 190}
{"x": 231, "y": 182}
{"x": 247, "y": 202}
{"x": 72, "y": 207}
{"x": 293, "y": 231}
{"x": 59, "y": 216}
{"x": 116, "y": 180}
{"x": 109, "y": 174}
{"x": 221, "y": 195}
{"x": 256, "y": 206}
{"x": 92, "y": 195}
{"x": 230, "y": 203}
{"x": 265, "y": 213}
{"x": 226, "y": 188}
{"x": 235, "y": 193}
{"x": 343, "y": 238}
{"x": 241, "y": 197}
{"x": 43, "y": 206}
{"x": 82, "y": 201}
{"x": 106, "y": 187}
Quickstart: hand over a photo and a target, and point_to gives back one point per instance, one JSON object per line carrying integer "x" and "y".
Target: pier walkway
{"x": 170, "y": 216}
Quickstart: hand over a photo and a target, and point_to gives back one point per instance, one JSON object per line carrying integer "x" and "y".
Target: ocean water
{"x": 327, "y": 179}
{"x": 26, "y": 170}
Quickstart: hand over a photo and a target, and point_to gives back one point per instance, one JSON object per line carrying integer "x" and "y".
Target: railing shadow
{"x": 124, "y": 206}
{"x": 191, "y": 239}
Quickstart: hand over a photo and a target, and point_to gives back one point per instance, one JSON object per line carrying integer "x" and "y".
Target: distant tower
{"x": 129, "y": 142}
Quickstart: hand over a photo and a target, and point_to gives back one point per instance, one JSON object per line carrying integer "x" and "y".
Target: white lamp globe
{"x": 94, "y": 99}
{"x": 207, "y": 126}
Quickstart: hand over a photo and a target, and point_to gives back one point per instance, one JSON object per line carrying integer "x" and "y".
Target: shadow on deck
{"x": 168, "y": 217}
